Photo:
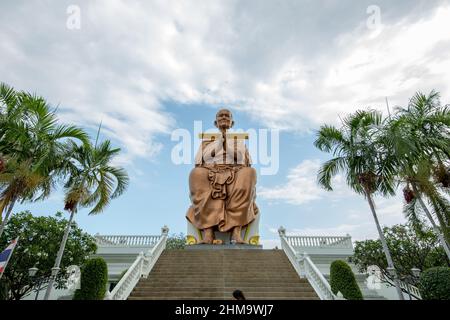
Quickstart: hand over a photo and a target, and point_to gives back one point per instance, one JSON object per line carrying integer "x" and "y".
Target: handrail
{"x": 317, "y": 280}
{"x": 292, "y": 256}
{"x": 413, "y": 290}
{"x": 123, "y": 289}
{"x": 126, "y": 240}
{"x": 152, "y": 256}
{"x": 141, "y": 267}
{"x": 306, "y": 268}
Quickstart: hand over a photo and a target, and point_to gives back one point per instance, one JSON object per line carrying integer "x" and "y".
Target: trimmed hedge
{"x": 434, "y": 284}
{"x": 94, "y": 277}
{"x": 343, "y": 280}
{"x": 3, "y": 290}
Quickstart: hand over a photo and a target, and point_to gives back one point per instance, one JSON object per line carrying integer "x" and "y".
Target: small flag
{"x": 6, "y": 255}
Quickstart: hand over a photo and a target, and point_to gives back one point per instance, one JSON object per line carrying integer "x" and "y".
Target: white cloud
{"x": 301, "y": 186}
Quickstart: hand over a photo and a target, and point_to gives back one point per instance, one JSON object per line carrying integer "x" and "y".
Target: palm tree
{"x": 92, "y": 182}
{"x": 358, "y": 152}
{"x": 32, "y": 142}
{"x": 419, "y": 138}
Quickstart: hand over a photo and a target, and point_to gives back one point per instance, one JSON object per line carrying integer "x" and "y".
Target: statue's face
{"x": 224, "y": 119}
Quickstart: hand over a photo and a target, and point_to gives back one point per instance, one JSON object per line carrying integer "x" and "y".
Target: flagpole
{"x": 9, "y": 257}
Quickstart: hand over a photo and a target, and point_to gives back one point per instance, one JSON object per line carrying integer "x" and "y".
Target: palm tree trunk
{"x": 59, "y": 255}
{"x": 385, "y": 247}
{"x": 430, "y": 217}
{"x": 441, "y": 219}
{"x": 8, "y": 213}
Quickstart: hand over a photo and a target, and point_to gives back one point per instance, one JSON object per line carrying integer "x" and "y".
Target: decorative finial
{"x": 282, "y": 231}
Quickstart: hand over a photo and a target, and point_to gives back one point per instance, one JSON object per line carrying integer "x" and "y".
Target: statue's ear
{"x": 215, "y": 123}
{"x": 232, "y": 123}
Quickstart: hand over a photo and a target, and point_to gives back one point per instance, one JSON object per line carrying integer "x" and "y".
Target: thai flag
{"x": 6, "y": 255}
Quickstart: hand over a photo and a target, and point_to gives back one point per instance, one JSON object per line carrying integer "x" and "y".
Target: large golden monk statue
{"x": 222, "y": 184}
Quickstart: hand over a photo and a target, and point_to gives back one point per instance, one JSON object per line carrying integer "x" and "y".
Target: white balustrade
{"x": 317, "y": 280}
{"x": 306, "y": 269}
{"x": 415, "y": 292}
{"x": 309, "y": 241}
{"x": 412, "y": 289}
{"x": 141, "y": 267}
{"x": 118, "y": 240}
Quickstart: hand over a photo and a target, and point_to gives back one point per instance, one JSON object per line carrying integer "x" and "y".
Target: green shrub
{"x": 3, "y": 290}
{"x": 176, "y": 242}
{"x": 434, "y": 284}
{"x": 94, "y": 277}
{"x": 343, "y": 280}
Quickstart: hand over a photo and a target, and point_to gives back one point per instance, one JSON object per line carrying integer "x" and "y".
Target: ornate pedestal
{"x": 249, "y": 233}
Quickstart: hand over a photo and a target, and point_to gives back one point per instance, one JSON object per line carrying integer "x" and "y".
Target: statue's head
{"x": 224, "y": 119}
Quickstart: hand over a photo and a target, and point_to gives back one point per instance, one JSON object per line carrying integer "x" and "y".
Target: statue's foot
{"x": 236, "y": 236}
{"x": 208, "y": 237}
{"x": 239, "y": 241}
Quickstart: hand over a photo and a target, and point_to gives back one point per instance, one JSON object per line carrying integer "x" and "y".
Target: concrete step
{"x": 230, "y": 283}
{"x": 230, "y": 290}
{"x": 220, "y": 294}
{"x": 221, "y": 261}
{"x": 239, "y": 278}
{"x": 223, "y": 298}
{"x": 223, "y": 273}
{"x": 195, "y": 266}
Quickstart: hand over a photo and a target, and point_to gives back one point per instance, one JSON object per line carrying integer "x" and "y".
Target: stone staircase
{"x": 215, "y": 274}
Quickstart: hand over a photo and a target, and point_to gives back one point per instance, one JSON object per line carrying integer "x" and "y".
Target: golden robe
{"x": 222, "y": 186}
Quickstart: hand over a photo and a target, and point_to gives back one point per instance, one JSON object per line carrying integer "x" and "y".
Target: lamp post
{"x": 38, "y": 281}
{"x": 415, "y": 274}
{"x": 393, "y": 273}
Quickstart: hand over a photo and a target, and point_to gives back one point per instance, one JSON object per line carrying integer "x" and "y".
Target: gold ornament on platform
{"x": 191, "y": 240}
{"x": 254, "y": 240}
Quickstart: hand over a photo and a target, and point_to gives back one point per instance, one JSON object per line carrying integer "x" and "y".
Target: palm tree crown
{"x": 93, "y": 180}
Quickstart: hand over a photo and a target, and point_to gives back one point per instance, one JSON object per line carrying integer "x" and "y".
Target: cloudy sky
{"x": 147, "y": 68}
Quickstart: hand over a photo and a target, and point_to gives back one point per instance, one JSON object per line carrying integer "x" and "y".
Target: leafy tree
{"x": 31, "y": 148}
{"x": 419, "y": 141}
{"x": 358, "y": 151}
{"x": 176, "y": 241}
{"x": 37, "y": 247}
{"x": 408, "y": 248}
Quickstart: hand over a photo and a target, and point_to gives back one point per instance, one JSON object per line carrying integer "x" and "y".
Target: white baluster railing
{"x": 309, "y": 241}
{"x": 413, "y": 290}
{"x": 317, "y": 280}
{"x": 118, "y": 240}
{"x": 306, "y": 268}
{"x": 123, "y": 289}
{"x": 292, "y": 256}
{"x": 152, "y": 256}
{"x": 141, "y": 267}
